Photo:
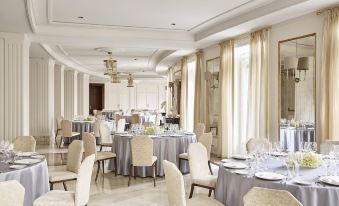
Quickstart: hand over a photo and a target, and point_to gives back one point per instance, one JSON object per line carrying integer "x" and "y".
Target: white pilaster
{"x": 41, "y": 74}
{"x": 71, "y": 97}
{"x": 59, "y": 91}
{"x": 14, "y": 85}
{"x": 83, "y": 94}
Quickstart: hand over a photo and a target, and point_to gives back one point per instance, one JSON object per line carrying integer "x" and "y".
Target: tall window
{"x": 190, "y": 95}
{"x": 241, "y": 93}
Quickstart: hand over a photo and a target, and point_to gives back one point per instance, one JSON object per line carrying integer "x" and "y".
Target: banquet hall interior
{"x": 191, "y": 102}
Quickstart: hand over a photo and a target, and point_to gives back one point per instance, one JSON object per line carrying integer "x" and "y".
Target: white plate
{"x": 226, "y": 160}
{"x": 26, "y": 154}
{"x": 240, "y": 157}
{"x": 303, "y": 182}
{"x": 38, "y": 156}
{"x": 27, "y": 161}
{"x": 241, "y": 172}
{"x": 235, "y": 165}
{"x": 176, "y": 135}
{"x": 279, "y": 154}
{"x": 17, "y": 167}
{"x": 331, "y": 180}
{"x": 269, "y": 176}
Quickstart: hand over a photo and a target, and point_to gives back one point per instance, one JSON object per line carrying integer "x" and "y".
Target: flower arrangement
{"x": 306, "y": 159}
{"x": 150, "y": 130}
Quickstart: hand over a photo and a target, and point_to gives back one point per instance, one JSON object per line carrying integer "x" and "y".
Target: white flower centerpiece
{"x": 307, "y": 159}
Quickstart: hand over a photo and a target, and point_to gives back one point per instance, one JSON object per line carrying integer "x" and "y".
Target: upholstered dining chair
{"x": 96, "y": 128}
{"x": 121, "y": 125}
{"x": 66, "y": 198}
{"x": 117, "y": 117}
{"x": 74, "y": 158}
{"x": 24, "y": 144}
{"x": 135, "y": 119}
{"x": 58, "y": 131}
{"x": 100, "y": 157}
{"x": 325, "y": 147}
{"x": 199, "y": 129}
{"x": 176, "y": 189}
{"x": 12, "y": 193}
{"x": 253, "y": 144}
{"x": 200, "y": 174}
{"x": 205, "y": 139}
{"x": 142, "y": 155}
{"x": 95, "y": 112}
{"x": 258, "y": 196}
{"x": 105, "y": 135}
{"x": 66, "y": 127}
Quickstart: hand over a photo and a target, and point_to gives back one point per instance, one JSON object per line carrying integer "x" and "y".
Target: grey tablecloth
{"x": 292, "y": 139}
{"x": 165, "y": 148}
{"x": 33, "y": 178}
{"x": 81, "y": 127}
{"x": 232, "y": 187}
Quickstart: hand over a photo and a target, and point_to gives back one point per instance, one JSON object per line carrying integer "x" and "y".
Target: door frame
{"x": 102, "y": 85}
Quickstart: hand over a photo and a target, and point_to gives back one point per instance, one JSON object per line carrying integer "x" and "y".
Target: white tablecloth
{"x": 292, "y": 139}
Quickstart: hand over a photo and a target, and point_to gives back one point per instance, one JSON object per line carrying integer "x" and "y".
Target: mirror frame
{"x": 314, "y": 79}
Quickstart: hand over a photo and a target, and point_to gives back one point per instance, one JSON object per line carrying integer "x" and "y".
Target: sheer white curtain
{"x": 329, "y": 117}
{"x": 183, "y": 99}
{"x": 191, "y": 70}
{"x": 258, "y": 93}
{"x": 198, "y": 102}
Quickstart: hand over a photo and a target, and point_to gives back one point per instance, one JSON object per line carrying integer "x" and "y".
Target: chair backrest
{"x": 175, "y": 184}
{"x": 117, "y": 117}
{"x": 121, "y": 125}
{"x": 66, "y": 128}
{"x": 135, "y": 119}
{"x": 158, "y": 119}
{"x": 148, "y": 124}
{"x": 59, "y": 119}
{"x": 199, "y": 129}
{"x": 206, "y": 140}
{"x": 142, "y": 150}
{"x": 89, "y": 144}
{"x": 95, "y": 112}
{"x": 254, "y": 144}
{"x": 105, "y": 133}
{"x": 74, "y": 157}
{"x": 326, "y": 146}
{"x": 12, "y": 193}
{"x": 269, "y": 197}
{"x": 96, "y": 128}
{"x": 197, "y": 154}
{"x": 83, "y": 184}
{"x": 24, "y": 144}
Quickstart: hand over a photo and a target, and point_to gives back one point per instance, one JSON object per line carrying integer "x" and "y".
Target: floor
{"x": 113, "y": 190}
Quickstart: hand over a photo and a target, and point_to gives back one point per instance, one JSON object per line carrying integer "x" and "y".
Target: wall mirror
{"x": 297, "y": 72}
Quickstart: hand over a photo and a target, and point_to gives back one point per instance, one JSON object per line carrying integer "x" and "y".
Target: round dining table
{"x": 34, "y": 178}
{"x": 166, "y": 147}
{"x": 232, "y": 187}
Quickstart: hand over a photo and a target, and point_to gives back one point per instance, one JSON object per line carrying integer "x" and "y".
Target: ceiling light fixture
{"x": 173, "y": 24}
{"x": 111, "y": 68}
{"x": 80, "y": 17}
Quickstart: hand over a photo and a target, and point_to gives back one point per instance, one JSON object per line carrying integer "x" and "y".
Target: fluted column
{"x": 59, "y": 91}
{"x": 83, "y": 94}
{"x": 41, "y": 74}
{"x": 71, "y": 98}
{"x": 14, "y": 85}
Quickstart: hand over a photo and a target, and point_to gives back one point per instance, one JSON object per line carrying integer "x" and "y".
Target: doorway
{"x": 96, "y": 97}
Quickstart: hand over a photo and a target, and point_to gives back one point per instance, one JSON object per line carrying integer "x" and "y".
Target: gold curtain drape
{"x": 226, "y": 98}
{"x": 183, "y": 100}
{"x": 258, "y": 91}
{"x": 198, "y": 98}
{"x": 329, "y": 110}
{"x": 169, "y": 94}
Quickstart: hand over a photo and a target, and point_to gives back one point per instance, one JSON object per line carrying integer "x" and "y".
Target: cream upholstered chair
{"x": 121, "y": 125}
{"x": 12, "y": 193}
{"x": 176, "y": 189}
{"x": 24, "y": 144}
{"x": 142, "y": 155}
{"x": 74, "y": 158}
{"x": 254, "y": 144}
{"x": 325, "y": 147}
{"x": 95, "y": 112}
{"x": 199, "y": 129}
{"x": 66, "y": 198}
{"x": 96, "y": 128}
{"x": 105, "y": 135}
{"x": 200, "y": 174}
{"x": 117, "y": 117}
{"x": 100, "y": 157}
{"x": 269, "y": 197}
{"x": 66, "y": 127}
{"x": 206, "y": 140}
{"x": 135, "y": 119}
{"x": 58, "y": 131}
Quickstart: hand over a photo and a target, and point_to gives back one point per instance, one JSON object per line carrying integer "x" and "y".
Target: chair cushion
{"x": 56, "y": 176}
{"x": 208, "y": 180}
{"x": 183, "y": 156}
{"x": 107, "y": 144}
{"x": 75, "y": 134}
{"x": 202, "y": 200}
{"x": 154, "y": 158}
{"x": 105, "y": 155}
{"x": 56, "y": 198}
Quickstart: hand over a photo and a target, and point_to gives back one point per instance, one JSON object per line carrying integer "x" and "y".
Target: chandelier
{"x": 111, "y": 68}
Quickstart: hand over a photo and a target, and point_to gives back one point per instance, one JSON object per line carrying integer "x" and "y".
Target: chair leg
{"x": 192, "y": 190}
{"x": 61, "y": 141}
{"x": 154, "y": 172}
{"x": 209, "y": 193}
{"x": 64, "y": 186}
{"x": 130, "y": 173}
{"x": 103, "y": 167}
{"x": 116, "y": 166}
{"x": 50, "y": 186}
{"x": 96, "y": 177}
{"x": 209, "y": 165}
{"x": 100, "y": 148}
{"x": 56, "y": 135}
